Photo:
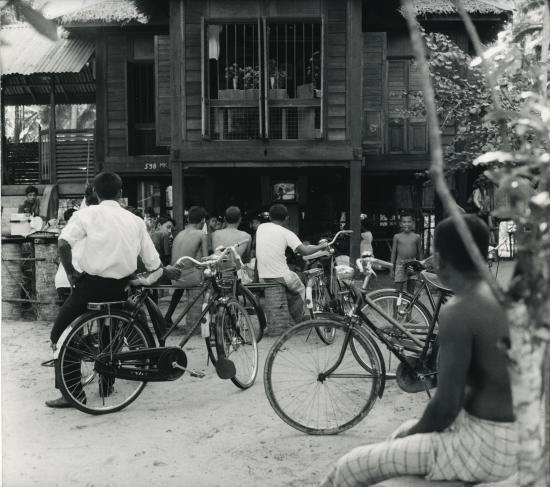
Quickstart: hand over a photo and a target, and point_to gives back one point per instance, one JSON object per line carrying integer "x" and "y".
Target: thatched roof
{"x": 445, "y": 7}
{"x": 107, "y": 12}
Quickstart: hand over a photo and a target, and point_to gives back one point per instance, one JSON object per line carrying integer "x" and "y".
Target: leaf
{"x": 46, "y": 27}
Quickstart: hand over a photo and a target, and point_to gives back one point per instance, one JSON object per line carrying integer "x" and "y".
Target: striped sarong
{"x": 471, "y": 450}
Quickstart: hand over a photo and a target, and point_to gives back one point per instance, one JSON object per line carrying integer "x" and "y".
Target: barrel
{"x": 12, "y": 278}
{"x": 45, "y": 253}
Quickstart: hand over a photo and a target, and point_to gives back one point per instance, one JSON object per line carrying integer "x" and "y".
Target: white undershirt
{"x": 271, "y": 243}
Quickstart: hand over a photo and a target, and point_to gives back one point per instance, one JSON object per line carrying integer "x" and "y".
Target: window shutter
{"x": 374, "y": 52}
{"x": 163, "y": 96}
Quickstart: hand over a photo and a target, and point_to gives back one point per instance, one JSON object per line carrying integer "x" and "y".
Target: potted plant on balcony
{"x": 277, "y": 81}
{"x": 241, "y": 83}
{"x": 312, "y": 86}
{"x": 251, "y": 82}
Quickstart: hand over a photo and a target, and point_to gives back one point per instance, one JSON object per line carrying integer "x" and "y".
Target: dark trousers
{"x": 87, "y": 289}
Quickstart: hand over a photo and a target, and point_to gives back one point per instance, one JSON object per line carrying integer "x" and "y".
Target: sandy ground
{"x": 191, "y": 432}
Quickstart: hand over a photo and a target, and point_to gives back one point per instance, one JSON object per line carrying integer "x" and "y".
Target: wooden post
{"x": 100, "y": 134}
{"x": 4, "y": 160}
{"x": 51, "y": 131}
{"x": 354, "y": 102}
{"x": 178, "y": 196}
{"x": 355, "y": 207}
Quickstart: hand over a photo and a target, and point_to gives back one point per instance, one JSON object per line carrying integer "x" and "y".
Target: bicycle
{"x": 325, "y": 292}
{"x": 326, "y": 389}
{"x": 105, "y": 357}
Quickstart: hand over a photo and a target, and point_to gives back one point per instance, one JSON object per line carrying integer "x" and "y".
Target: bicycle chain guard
{"x": 148, "y": 364}
{"x": 408, "y": 377}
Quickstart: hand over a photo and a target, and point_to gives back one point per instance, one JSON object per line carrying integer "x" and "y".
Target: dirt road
{"x": 191, "y": 432}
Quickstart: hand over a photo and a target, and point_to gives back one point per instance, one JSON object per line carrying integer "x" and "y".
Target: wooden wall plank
{"x": 115, "y": 96}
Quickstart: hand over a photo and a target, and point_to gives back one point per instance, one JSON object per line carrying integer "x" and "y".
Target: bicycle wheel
{"x": 321, "y": 303}
{"x": 254, "y": 309}
{"x": 322, "y": 405}
{"x": 236, "y": 341}
{"x": 412, "y": 315}
{"x": 91, "y": 336}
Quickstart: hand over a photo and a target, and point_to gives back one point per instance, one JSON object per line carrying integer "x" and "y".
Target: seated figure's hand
{"x": 171, "y": 272}
{"x": 73, "y": 277}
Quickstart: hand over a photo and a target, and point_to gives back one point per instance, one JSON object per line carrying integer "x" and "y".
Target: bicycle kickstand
{"x": 426, "y": 386}
{"x": 192, "y": 373}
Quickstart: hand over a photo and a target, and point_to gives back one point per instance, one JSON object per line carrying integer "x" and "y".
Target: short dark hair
{"x": 162, "y": 219}
{"x": 67, "y": 214}
{"x": 448, "y": 243}
{"x": 278, "y": 212}
{"x": 232, "y": 214}
{"x": 405, "y": 214}
{"x": 196, "y": 214}
{"x": 31, "y": 189}
{"x": 107, "y": 185}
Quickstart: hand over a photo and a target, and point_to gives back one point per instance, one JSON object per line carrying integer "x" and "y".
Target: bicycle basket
{"x": 344, "y": 273}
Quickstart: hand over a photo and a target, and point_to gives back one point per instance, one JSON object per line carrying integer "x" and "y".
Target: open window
{"x": 262, "y": 79}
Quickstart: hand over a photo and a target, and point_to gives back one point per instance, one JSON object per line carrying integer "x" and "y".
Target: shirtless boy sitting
{"x": 406, "y": 247}
{"x": 191, "y": 242}
{"x": 467, "y": 431}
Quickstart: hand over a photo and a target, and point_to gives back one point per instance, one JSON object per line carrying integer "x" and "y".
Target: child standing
{"x": 406, "y": 247}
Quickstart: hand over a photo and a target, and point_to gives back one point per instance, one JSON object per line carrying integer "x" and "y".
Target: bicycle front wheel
{"x": 236, "y": 341}
{"x": 303, "y": 396}
{"x": 94, "y": 335}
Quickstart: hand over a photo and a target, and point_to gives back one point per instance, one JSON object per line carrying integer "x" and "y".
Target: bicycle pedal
{"x": 192, "y": 373}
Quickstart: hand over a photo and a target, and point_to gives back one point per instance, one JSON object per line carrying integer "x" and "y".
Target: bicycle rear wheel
{"x": 310, "y": 402}
{"x": 91, "y": 336}
{"x": 321, "y": 303}
{"x": 412, "y": 315}
{"x": 236, "y": 341}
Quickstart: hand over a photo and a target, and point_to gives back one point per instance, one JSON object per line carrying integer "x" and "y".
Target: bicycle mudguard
{"x": 225, "y": 368}
{"x": 157, "y": 364}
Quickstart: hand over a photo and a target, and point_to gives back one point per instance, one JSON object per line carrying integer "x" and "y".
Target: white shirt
{"x": 113, "y": 238}
{"x": 271, "y": 243}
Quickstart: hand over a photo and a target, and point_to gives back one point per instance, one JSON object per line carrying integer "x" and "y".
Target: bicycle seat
{"x": 106, "y": 304}
{"x": 314, "y": 272}
{"x": 433, "y": 280}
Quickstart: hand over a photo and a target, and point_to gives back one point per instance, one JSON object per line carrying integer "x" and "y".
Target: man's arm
{"x": 66, "y": 259}
{"x": 455, "y": 351}
{"x": 309, "y": 249}
{"x": 203, "y": 251}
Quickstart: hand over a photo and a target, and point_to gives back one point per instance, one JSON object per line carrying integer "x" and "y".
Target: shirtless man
{"x": 467, "y": 431}
{"x": 230, "y": 235}
{"x": 406, "y": 247}
{"x": 190, "y": 242}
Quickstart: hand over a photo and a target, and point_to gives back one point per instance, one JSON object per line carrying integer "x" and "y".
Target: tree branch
{"x": 436, "y": 149}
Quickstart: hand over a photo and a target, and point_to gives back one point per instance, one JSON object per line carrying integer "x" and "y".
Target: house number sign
{"x": 156, "y": 166}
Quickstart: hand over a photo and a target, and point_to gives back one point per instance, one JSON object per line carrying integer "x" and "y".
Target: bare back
{"x": 478, "y": 324}
{"x": 189, "y": 242}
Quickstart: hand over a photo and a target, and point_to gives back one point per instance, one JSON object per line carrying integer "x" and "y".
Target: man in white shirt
{"x": 272, "y": 239}
{"x": 110, "y": 239}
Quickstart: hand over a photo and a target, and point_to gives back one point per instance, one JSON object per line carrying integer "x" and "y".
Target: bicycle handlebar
{"x": 211, "y": 261}
{"x": 370, "y": 261}
{"x": 326, "y": 252}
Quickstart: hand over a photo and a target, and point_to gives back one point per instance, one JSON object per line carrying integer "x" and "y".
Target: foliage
{"x": 247, "y": 77}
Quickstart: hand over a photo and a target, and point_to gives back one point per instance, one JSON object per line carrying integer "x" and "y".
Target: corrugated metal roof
{"x": 25, "y": 51}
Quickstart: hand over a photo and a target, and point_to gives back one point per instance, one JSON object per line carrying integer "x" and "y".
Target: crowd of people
{"x": 467, "y": 430}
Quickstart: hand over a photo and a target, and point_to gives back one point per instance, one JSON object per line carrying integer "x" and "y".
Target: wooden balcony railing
{"x": 73, "y": 157}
